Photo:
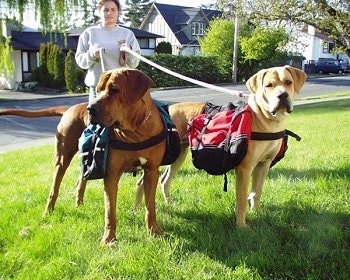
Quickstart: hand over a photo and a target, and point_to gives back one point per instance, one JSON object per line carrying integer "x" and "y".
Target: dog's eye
{"x": 113, "y": 90}
{"x": 268, "y": 85}
{"x": 288, "y": 82}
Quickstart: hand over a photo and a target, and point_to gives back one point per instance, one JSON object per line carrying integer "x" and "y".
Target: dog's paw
{"x": 109, "y": 244}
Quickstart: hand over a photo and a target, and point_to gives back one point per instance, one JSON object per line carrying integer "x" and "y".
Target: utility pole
{"x": 235, "y": 49}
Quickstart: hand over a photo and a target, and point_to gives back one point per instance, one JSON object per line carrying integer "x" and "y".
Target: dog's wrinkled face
{"x": 273, "y": 89}
{"x": 118, "y": 92}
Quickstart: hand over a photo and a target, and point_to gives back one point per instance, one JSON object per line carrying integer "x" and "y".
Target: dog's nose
{"x": 283, "y": 95}
{"x": 92, "y": 111}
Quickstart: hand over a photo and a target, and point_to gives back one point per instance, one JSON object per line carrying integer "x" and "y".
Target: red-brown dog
{"x": 124, "y": 103}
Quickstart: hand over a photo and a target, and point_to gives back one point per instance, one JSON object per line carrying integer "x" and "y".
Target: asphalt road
{"x": 17, "y": 133}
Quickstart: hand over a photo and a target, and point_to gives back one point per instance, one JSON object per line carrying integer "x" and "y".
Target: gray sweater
{"x": 97, "y": 37}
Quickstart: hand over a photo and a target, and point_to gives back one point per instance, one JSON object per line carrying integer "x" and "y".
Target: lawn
{"x": 301, "y": 231}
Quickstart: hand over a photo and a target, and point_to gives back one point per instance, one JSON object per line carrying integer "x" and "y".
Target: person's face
{"x": 109, "y": 13}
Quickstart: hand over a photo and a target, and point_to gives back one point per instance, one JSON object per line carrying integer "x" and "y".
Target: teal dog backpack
{"x": 93, "y": 150}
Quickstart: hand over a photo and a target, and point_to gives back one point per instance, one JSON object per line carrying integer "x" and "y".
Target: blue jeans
{"x": 92, "y": 94}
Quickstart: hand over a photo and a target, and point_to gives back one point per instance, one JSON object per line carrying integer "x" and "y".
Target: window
{"x": 198, "y": 28}
{"x": 327, "y": 47}
{"x": 30, "y": 62}
{"x": 146, "y": 43}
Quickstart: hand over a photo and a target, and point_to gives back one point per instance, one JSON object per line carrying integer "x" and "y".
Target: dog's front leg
{"x": 110, "y": 201}
{"x": 242, "y": 186}
{"x": 150, "y": 186}
{"x": 258, "y": 180}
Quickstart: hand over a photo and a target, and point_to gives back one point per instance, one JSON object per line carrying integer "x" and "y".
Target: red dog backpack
{"x": 219, "y": 141}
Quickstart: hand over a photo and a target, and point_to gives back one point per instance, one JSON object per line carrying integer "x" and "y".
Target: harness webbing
{"x": 117, "y": 144}
{"x": 260, "y": 136}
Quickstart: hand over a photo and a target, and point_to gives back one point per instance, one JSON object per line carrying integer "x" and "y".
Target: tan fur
{"x": 272, "y": 93}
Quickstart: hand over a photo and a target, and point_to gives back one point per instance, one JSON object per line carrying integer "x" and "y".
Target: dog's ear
{"x": 256, "y": 80}
{"x": 138, "y": 83}
{"x": 103, "y": 81}
{"x": 299, "y": 77}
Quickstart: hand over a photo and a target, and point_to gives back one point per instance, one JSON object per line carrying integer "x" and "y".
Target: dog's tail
{"x": 47, "y": 112}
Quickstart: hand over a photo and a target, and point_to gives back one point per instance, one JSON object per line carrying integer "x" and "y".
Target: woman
{"x": 99, "y": 45}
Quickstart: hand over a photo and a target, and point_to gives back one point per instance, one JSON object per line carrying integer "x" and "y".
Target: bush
{"x": 51, "y": 66}
{"x": 74, "y": 75}
{"x": 164, "y": 47}
{"x": 205, "y": 69}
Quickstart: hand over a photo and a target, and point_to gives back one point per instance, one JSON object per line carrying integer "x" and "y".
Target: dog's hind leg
{"x": 62, "y": 161}
{"x": 170, "y": 171}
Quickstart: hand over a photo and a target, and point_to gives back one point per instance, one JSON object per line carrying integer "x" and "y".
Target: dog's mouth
{"x": 282, "y": 104}
{"x": 283, "y": 107}
{"x": 96, "y": 117}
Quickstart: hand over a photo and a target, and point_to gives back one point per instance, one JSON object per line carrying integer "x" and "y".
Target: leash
{"x": 237, "y": 93}
{"x": 101, "y": 59}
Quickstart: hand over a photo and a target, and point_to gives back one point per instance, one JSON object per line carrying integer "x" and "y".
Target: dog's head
{"x": 273, "y": 89}
{"x": 118, "y": 92}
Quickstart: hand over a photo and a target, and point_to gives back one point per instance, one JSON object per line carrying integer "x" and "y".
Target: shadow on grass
{"x": 289, "y": 242}
{"x": 312, "y": 173}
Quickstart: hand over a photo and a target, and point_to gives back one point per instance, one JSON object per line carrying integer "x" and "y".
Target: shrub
{"x": 164, "y": 47}
{"x": 73, "y": 74}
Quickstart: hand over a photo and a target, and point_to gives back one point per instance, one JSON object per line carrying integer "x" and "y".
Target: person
{"x": 98, "y": 47}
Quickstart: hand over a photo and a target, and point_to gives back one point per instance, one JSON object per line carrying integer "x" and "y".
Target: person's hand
{"x": 124, "y": 47}
{"x": 97, "y": 53}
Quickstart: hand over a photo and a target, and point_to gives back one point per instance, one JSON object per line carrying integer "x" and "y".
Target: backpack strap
{"x": 260, "y": 136}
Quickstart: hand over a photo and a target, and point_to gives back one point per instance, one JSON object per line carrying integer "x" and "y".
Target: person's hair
{"x": 102, "y": 2}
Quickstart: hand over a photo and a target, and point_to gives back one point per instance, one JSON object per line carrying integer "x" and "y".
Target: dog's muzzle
{"x": 93, "y": 113}
{"x": 283, "y": 103}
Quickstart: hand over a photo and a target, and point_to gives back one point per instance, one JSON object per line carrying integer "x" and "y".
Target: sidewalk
{"x": 9, "y": 95}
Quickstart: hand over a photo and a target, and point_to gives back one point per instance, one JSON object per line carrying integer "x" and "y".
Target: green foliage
{"x": 260, "y": 47}
{"x": 74, "y": 75}
{"x": 329, "y": 17}
{"x": 164, "y": 47}
{"x": 54, "y": 15}
{"x": 136, "y": 11}
{"x": 200, "y": 68}
{"x": 301, "y": 230}
{"x": 263, "y": 44}
{"x": 51, "y": 65}
{"x": 7, "y": 65}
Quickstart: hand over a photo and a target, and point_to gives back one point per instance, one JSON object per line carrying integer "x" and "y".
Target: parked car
{"x": 329, "y": 65}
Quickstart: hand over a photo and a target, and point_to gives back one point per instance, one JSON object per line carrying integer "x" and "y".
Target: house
{"x": 314, "y": 45}
{"x": 26, "y": 46}
{"x": 181, "y": 26}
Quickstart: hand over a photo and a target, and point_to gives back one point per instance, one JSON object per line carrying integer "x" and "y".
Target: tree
{"x": 260, "y": 46}
{"x": 264, "y": 44}
{"x": 136, "y": 11}
{"x": 329, "y": 17}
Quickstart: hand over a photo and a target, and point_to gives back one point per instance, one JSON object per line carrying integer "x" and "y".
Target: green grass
{"x": 302, "y": 230}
